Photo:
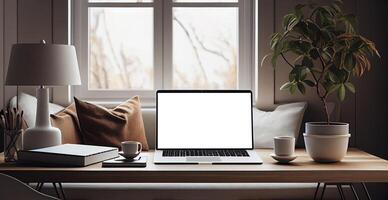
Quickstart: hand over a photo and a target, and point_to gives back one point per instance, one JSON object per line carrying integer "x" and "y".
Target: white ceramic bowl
{"x": 326, "y": 148}
{"x": 322, "y": 128}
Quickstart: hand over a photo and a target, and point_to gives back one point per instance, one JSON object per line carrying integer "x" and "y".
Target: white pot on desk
{"x": 326, "y": 148}
{"x": 322, "y": 128}
{"x": 326, "y": 142}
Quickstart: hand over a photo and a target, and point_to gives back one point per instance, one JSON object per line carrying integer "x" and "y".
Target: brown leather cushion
{"x": 110, "y": 127}
{"x": 66, "y": 120}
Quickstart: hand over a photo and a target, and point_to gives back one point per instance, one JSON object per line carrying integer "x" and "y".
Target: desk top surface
{"x": 357, "y": 166}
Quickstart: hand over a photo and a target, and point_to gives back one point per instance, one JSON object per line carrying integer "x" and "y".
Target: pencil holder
{"x": 12, "y": 143}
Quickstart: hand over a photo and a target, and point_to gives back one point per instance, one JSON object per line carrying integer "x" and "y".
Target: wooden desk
{"x": 358, "y": 166}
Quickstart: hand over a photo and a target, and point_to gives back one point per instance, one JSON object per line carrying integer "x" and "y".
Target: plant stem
{"x": 284, "y": 58}
{"x": 323, "y": 99}
{"x": 317, "y": 80}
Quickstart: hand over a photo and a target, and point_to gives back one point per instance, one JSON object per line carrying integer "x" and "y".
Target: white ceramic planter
{"x": 322, "y": 128}
{"x": 326, "y": 148}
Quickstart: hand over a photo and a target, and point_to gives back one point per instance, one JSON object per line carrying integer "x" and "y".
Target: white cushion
{"x": 28, "y": 104}
{"x": 285, "y": 120}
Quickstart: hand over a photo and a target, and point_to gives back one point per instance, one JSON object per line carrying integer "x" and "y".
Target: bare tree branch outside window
{"x": 121, "y": 53}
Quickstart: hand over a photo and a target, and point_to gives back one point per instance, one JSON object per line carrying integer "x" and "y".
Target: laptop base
{"x": 252, "y": 159}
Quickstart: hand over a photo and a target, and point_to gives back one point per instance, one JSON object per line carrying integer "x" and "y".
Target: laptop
{"x": 204, "y": 127}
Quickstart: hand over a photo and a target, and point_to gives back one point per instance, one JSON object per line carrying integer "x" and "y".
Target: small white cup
{"x": 131, "y": 147}
{"x": 284, "y": 145}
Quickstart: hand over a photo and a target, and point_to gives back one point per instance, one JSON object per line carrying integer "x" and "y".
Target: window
{"x": 129, "y": 47}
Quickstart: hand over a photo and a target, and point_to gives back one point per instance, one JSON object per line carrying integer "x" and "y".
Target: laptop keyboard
{"x": 219, "y": 152}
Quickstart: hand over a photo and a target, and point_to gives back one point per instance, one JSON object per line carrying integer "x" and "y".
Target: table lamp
{"x": 42, "y": 65}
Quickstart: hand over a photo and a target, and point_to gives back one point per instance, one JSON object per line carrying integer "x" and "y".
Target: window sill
{"x": 114, "y": 103}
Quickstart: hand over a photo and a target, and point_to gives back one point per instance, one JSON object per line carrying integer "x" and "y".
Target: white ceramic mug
{"x": 284, "y": 145}
{"x": 131, "y": 147}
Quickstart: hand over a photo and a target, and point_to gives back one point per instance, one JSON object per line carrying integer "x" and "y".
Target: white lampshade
{"x": 43, "y": 64}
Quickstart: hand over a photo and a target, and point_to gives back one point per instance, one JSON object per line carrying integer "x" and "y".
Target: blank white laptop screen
{"x": 204, "y": 120}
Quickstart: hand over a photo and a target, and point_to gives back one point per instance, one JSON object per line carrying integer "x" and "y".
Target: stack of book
{"x": 76, "y": 155}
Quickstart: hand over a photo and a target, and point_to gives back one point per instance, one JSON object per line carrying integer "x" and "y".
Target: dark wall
{"x": 371, "y": 97}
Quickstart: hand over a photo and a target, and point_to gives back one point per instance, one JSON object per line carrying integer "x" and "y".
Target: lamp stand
{"x": 43, "y": 134}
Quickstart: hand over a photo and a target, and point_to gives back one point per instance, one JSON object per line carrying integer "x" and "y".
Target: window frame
{"x": 163, "y": 58}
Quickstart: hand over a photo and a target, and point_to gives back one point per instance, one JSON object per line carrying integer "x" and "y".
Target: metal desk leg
{"x": 366, "y": 190}
{"x": 62, "y": 191}
{"x": 316, "y": 191}
{"x": 56, "y": 190}
{"x": 354, "y": 191}
{"x": 341, "y": 192}
{"x": 39, "y": 186}
{"x": 323, "y": 191}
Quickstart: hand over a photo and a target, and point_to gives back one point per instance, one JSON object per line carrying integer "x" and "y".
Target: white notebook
{"x": 68, "y": 155}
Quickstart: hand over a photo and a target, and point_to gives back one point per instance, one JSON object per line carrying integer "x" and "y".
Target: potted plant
{"x": 328, "y": 53}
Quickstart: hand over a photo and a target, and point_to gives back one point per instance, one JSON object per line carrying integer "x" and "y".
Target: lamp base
{"x": 40, "y": 137}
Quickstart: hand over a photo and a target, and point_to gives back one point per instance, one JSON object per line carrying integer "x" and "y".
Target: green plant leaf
{"x": 264, "y": 58}
{"x": 326, "y": 35}
{"x": 307, "y": 62}
{"x": 324, "y": 16}
{"x": 337, "y": 6}
{"x": 341, "y": 92}
{"x": 286, "y": 86}
{"x": 332, "y": 88}
{"x": 289, "y": 21}
{"x": 293, "y": 88}
{"x": 309, "y": 83}
{"x": 343, "y": 75}
{"x": 313, "y": 31}
{"x": 349, "y": 62}
{"x": 337, "y": 58}
{"x": 303, "y": 74}
{"x": 333, "y": 77}
{"x": 356, "y": 45}
{"x": 327, "y": 54}
{"x": 301, "y": 88}
{"x": 274, "y": 40}
{"x": 301, "y": 28}
{"x": 350, "y": 87}
{"x": 298, "y": 73}
{"x": 350, "y": 22}
{"x": 298, "y": 58}
{"x": 314, "y": 53}
{"x": 300, "y": 47}
{"x": 293, "y": 75}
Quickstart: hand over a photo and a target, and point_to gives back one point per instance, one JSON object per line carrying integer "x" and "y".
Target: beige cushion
{"x": 67, "y": 121}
